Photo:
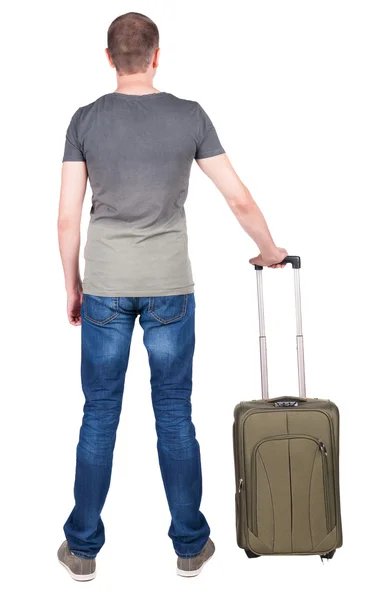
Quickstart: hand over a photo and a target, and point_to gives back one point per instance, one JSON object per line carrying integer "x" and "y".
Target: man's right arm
{"x": 220, "y": 171}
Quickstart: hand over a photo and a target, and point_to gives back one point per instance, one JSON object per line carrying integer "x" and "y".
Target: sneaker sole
{"x": 78, "y": 577}
{"x": 192, "y": 573}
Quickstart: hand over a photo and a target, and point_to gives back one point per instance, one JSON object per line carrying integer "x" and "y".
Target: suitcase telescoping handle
{"x": 296, "y": 265}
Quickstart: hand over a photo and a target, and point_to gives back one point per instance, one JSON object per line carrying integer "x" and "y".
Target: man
{"x": 136, "y": 145}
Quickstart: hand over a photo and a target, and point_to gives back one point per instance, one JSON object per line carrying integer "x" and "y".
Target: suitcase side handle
{"x": 296, "y": 264}
{"x": 295, "y": 261}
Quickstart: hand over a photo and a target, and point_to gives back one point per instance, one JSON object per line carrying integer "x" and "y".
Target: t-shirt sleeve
{"x": 208, "y": 143}
{"x": 73, "y": 149}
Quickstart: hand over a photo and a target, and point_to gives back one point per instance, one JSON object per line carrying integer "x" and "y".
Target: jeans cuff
{"x": 187, "y": 555}
{"x": 82, "y": 555}
{"x": 190, "y": 555}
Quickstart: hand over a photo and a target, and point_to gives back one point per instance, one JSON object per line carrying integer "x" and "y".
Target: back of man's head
{"x": 132, "y": 40}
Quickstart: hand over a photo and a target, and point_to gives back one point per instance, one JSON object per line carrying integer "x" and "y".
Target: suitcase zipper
{"x": 326, "y": 484}
{"x": 324, "y": 455}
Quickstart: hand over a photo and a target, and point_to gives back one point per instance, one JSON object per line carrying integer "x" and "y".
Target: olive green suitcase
{"x": 286, "y": 456}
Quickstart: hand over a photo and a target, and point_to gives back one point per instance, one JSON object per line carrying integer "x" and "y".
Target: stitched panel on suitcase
{"x": 291, "y": 497}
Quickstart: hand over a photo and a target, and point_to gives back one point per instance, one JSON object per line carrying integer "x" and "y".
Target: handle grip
{"x": 286, "y": 401}
{"x": 289, "y": 260}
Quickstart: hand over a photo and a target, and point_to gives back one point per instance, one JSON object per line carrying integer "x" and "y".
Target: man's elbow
{"x": 241, "y": 203}
{"x": 67, "y": 223}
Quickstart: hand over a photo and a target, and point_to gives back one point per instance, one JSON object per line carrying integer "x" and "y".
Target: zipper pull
{"x": 240, "y": 485}
{"x": 322, "y": 447}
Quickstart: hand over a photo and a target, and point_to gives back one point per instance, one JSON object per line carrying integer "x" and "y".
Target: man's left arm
{"x": 73, "y": 188}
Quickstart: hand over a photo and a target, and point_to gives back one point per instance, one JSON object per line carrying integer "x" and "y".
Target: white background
{"x": 292, "y": 88}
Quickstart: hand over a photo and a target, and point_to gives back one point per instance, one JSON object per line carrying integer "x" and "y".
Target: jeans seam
{"x": 100, "y": 323}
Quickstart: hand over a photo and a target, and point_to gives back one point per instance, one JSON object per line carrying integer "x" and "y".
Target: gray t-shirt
{"x": 138, "y": 152}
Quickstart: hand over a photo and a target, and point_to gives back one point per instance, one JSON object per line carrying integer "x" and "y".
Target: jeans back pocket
{"x": 167, "y": 309}
{"x": 99, "y": 309}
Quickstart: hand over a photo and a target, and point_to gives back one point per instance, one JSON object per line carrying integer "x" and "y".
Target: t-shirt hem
{"x": 138, "y": 294}
{"x": 73, "y": 159}
{"x": 209, "y": 154}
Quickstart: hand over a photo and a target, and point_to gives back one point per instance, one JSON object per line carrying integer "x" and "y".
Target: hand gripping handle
{"x": 289, "y": 260}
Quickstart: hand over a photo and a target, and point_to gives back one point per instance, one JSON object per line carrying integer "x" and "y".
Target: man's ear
{"x": 108, "y": 55}
{"x": 156, "y": 56}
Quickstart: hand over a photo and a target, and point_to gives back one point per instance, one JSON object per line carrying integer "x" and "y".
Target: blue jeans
{"x": 169, "y": 337}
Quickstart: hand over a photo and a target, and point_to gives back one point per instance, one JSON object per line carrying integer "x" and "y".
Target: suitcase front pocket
{"x": 291, "y": 496}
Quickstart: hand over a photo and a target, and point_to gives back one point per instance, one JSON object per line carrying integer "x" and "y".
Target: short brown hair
{"x": 132, "y": 39}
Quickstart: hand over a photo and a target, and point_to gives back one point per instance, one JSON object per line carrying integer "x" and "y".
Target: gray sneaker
{"x": 189, "y": 567}
{"x": 80, "y": 569}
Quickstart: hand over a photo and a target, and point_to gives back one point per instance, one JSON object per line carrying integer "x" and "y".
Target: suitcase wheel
{"x": 329, "y": 555}
{"x": 251, "y": 554}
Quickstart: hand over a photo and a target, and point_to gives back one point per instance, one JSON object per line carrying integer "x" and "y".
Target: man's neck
{"x": 138, "y": 84}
